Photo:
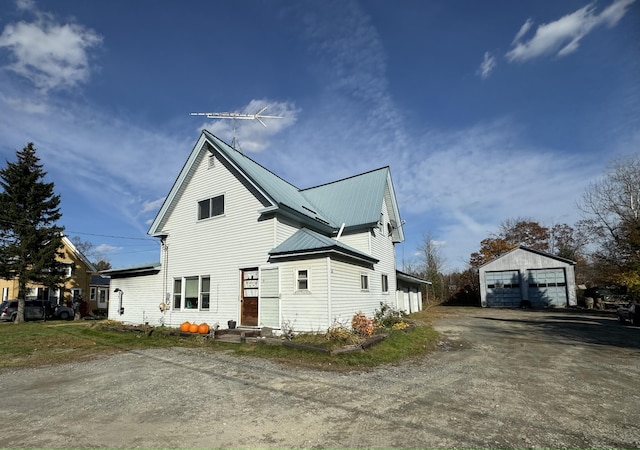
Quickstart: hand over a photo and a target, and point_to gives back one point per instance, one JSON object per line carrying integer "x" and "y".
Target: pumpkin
{"x": 203, "y": 328}
{"x": 185, "y": 326}
{"x": 193, "y": 328}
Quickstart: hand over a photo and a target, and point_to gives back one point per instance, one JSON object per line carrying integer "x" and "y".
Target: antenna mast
{"x": 237, "y": 116}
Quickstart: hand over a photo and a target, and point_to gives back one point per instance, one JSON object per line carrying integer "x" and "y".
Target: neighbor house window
{"x": 92, "y": 294}
{"x": 211, "y": 207}
{"x": 205, "y": 284}
{"x": 364, "y": 282}
{"x": 191, "y": 293}
{"x": 302, "y": 280}
{"x": 177, "y": 293}
{"x": 385, "y": 283}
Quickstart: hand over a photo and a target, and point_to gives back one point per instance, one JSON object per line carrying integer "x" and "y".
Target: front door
{"x": 249, "y": 300}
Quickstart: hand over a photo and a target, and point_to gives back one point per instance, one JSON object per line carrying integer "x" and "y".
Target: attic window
{"x": 211, "y": 207}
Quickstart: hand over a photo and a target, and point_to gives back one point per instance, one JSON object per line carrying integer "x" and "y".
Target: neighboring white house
{"x": 239, "y": 243}
{"x": 529, "y": 277}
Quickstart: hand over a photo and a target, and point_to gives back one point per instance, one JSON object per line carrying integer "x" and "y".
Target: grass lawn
{"x": 34, "y": 344}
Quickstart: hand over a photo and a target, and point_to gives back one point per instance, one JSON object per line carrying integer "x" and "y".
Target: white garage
{"x": 527, "y": 277}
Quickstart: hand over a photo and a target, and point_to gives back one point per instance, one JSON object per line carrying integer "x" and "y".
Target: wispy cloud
{"x": 251, "y": 135}
{"x": 106, "y": 249}
{"x": 52, "y": 55}
{"x": 487, "y": 66}
{"x": 563, "y": 36}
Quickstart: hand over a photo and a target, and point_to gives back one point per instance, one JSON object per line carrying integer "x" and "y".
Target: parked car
{"x": 33, "y": 310}
{"x": 630, "y": 312}
{"x": 63, "y": 312}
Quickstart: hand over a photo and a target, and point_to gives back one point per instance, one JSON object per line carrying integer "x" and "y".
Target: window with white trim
{"x": 191, "y": 293}
{"x": 92, "y": 294}
{"x": 177, "y": 293}
{"x": 364, "y": 282}
{"x": 196, "y": 293}
{"x": 211, "y": 207}
{"x": 302, "y": 280}
{"x": 205, "y": 287}
{"x": 385, "y": 283}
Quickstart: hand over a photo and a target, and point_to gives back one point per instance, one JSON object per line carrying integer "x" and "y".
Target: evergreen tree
{"x": 30, "y": 240}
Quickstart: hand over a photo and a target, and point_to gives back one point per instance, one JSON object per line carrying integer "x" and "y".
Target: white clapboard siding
{"x": 218, "y": 247}
{"x": 304, "y": 310}
{"x": 141, "y": 298}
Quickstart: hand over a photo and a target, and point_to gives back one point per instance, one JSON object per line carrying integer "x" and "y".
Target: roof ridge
{"x": 346, "y": 178}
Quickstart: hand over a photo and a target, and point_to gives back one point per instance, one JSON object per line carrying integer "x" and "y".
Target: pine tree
{"x": 30, "y": 240}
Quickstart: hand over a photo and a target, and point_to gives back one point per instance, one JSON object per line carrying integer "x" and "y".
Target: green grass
{"x": 35, "y": 344}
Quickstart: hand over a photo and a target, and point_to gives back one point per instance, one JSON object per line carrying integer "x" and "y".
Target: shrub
{"x": 340, "y": 335}
{"x": 387, "y": 316}
{"x": 362, "y": 324}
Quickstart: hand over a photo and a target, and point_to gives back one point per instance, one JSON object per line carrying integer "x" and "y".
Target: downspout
{"x": 165, "y": 269}
{"x": 329, "y": 296}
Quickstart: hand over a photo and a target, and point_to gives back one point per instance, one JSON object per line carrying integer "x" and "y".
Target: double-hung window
{"x": 177, "y": 293}
{"x": 364, "y": 282}
{"x": 191, "y": 292}
{"x": 385, "y": 283}
{"x": 302, "y": 280}
{"x": 205, "y": 287}
{"x": 211, "y": 207}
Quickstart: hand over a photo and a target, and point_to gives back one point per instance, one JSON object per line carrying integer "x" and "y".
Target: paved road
{"x": 502, "y": 378}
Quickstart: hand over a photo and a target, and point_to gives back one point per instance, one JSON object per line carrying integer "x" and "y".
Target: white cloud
{"x": 523, "y": 30}
{"x": 152, "y": 205}
{"x": 487, "y": 66}
{"x": 106, "y": 249}
{"x": 50, "y": 54}
{"x": 563, "y": 36}
{"x": 252, "y": 136}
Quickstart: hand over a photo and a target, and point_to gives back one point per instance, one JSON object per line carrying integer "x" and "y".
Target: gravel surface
{"x": 501, "y": 378}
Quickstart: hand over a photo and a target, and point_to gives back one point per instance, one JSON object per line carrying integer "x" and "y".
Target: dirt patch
{"x": 501, "y": 378}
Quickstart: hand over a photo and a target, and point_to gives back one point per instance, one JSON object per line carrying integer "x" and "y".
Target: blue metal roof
{"x": 353, "y": 201}
{"x": 305, "y": 241}
{"x": 279, "y": 190}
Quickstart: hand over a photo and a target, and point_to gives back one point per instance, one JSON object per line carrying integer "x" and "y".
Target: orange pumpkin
{"x": 185, "y": 326}
{"x": 203, "y": 328}
{"x": 193, "y": 328}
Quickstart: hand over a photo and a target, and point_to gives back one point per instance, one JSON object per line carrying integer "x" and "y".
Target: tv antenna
{"x": 237, "y": 116}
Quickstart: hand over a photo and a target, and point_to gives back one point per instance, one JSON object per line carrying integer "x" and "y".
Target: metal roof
{"x": 279, "y": 190}
{"x": 305, "y": 241}
{"x": 353, "y": 201}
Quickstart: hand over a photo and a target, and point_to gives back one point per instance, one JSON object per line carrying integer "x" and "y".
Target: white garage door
{"x": 547, "y": 287}
{"x": 503, "y": 288}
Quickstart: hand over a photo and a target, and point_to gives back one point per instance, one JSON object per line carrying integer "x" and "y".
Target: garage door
{"x": 547, "y": 287}
{"x": 503, "y": 288}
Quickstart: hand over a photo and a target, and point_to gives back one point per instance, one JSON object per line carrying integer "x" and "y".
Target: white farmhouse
{"x": 239, "y": 243}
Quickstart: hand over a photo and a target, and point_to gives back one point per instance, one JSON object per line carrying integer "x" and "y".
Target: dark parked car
{"x": 630, "y": 312}
{"x": 35, "y": 310}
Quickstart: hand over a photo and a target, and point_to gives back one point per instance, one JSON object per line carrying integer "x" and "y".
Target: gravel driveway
{"x": 501, "y": 378}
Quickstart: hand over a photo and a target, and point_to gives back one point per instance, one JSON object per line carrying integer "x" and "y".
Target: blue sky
{"x": 483, "y": 110}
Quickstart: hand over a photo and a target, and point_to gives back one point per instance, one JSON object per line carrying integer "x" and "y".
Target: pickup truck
{"x": 630, "y": 313}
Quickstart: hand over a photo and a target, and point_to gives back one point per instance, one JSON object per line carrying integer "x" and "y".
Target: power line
{"x": 112, "y": 236}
